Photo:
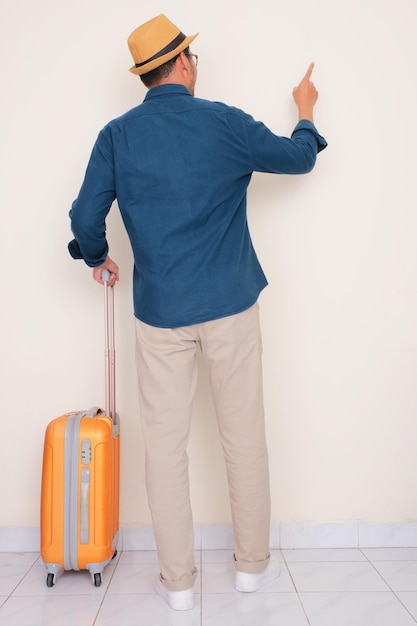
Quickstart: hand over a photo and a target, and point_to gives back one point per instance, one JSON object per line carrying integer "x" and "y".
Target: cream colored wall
{"x": 339, "y": 247}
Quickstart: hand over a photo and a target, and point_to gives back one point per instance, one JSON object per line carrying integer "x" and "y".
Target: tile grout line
{"x": 361, "y": 550}
{"x": 388, "y": 585}
{"x": 295, "y": 587}
{"x": 20, "y": 581}
{"x": 119, "y": 554}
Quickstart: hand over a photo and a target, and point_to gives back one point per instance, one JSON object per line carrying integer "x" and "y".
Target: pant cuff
{"x": 181, "y": 585}
{"x": 253, "y": 567}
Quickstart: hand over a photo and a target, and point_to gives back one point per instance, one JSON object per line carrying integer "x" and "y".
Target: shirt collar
{"x": 167, "y": 89}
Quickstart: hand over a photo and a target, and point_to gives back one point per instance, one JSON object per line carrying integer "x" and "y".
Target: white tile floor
{"x": 329, "y": 587}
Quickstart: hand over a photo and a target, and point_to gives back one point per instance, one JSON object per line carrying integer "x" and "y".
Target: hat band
{"x": 169, "y": 48}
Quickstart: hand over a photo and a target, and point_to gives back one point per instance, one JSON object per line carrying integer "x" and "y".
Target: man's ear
{"x": 183, "y": 61}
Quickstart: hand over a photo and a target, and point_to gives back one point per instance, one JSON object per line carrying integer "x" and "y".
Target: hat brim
{"x": 148, "y": 67}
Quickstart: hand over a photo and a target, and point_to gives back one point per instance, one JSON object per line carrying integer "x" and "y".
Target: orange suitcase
{"x": 80, "y": 480}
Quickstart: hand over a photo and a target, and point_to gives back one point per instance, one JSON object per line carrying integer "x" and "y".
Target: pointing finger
{"x": 309, "y": 72}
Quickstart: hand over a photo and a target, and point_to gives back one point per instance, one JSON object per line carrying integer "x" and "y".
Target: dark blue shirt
{"x": 179, "y": 167}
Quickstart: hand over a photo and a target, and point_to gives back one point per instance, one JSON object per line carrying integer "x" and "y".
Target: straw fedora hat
{"x": 156, "y": 42}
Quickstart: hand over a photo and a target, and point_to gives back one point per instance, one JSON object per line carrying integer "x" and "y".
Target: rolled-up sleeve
{"x": 274, "y": 153}
{"x": 289, "y": 155}
{"x": 89, "y": 210}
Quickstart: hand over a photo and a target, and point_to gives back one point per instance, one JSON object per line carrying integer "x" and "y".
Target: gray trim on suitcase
{"x": 116, "y": 426}
{"x": 72, "y": 432}
{"x": 85, "y": 497}
{"x": 95, "y": 410}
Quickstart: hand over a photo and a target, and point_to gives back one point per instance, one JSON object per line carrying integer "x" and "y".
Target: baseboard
{"x": 19, "y": 539}
{"x": 220, "y": 537}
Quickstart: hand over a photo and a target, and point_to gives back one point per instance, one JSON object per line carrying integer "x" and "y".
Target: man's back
{"x": 179, "y": 167}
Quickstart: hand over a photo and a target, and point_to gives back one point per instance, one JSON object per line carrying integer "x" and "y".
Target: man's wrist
{"x": 305, "y": 113}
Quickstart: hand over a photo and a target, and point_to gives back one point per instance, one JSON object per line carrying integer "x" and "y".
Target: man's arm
{"x": 89, "y": 211}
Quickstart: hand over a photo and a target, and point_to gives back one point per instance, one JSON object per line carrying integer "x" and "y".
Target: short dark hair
{"x": 163, "y": 71}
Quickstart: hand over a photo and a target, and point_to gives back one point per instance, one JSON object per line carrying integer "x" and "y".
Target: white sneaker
{"x": 177, "y": 600}
{"x": 249, "y": 583}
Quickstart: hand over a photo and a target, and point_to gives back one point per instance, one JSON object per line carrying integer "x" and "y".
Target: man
{"x": 179, "y": 167}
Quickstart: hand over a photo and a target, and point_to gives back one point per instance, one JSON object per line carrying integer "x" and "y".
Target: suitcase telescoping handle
{"x": 110, "y": 355}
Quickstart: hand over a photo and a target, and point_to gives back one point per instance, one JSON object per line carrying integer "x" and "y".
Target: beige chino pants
{"x": 167, "y": 375}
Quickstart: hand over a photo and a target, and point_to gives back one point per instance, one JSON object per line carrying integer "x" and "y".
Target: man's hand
{"x": 305, "y": 96}
{"x": 111, "y": 267}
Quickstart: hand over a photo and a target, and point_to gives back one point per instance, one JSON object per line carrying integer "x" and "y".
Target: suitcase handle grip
{"x": 105, "y": 275}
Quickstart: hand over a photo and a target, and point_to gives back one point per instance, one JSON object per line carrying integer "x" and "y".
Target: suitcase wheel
{"x": 50, "y": 580}
{"x": 97, "y": 580}
{"x": 114, "y": 555}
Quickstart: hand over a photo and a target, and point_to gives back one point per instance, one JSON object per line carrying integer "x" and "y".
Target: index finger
{"x": 309, "y": 72}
